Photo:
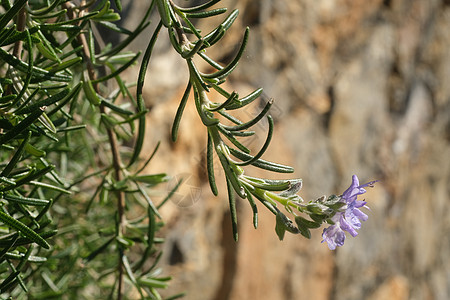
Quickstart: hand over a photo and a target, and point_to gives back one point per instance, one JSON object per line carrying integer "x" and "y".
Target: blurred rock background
{"x": 360, "y": 87}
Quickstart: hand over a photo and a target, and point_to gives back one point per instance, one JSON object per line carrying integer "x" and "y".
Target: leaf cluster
{"x": 72, "y": 195}
{"x": 226, "y": 133}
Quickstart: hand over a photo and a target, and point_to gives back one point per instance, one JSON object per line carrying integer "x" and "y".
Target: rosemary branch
{"x": 116, "y": 160}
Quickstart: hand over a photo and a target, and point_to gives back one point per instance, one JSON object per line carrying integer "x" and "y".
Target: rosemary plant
{"x": 65, "y": 115}
{"x": 73, "y": 196}
{"x": 223, "y": 139}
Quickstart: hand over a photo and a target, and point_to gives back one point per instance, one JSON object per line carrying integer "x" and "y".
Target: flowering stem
{"x": 233, "y": 157}
{"x": 283, "y": 201}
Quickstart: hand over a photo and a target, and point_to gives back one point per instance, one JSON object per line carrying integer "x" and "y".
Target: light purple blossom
{"x": 349, "y": 218}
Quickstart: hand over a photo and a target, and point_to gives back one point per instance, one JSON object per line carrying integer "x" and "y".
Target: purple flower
{"x": 349, "y": 218}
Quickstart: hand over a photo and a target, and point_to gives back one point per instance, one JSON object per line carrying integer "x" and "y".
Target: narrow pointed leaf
{"x": 232, "y": 203}
{"x": 139, "y": 96}
{"x": 99, "y": 250}
{"x": 267, "y": 165}
{"x": 232, "y": 98}
{"x": 245, "y": 100}
{"x": 15, "y": 159}
{"x": 264, "y": 147}
{"x": 200, "y": 7}
{"x": 46, "y": 102}
{"x": 38, "y": 73}
{"x": 164, "y": 12}
{"x": 252, "y": 203}
{"x": 119, "y": 70}
{"x": 25, "y": 230}
{"x": 210, "y": 166}
{"x": 207, "y": 14}
{"x": 251, "y": 122}
{"x": 179, "y": 114}
{"x": 9, "y": 15}
{"x": 232, "y": 139}
{"x": 225, "y": 71}
{"x": 21, "y": 126}
{"x": 26, "y": 200}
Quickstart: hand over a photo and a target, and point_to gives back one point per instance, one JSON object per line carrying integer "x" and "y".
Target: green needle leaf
{"x": 9, "y": 15}
{"x": 153, "y": 179}
{"x": 15, "y": 159}
{"x": 25, "y": 200}
{"x": 233, "y": 140}
{"x": 252, "y": 203}
{"x": 232, "y": 65}
{"x": 139, "y": 97}
{"x": 45, "y": 10}
{"x": 207, "y": 14}
{"x": 21, "y": 126}
{"x": 46, "y": 102}
{"x": 245, "y": 100}
{"x": 177, "y": 120}
{"x": 230, "y": 174}
{"x": 210, "y": 165}
{"x": 38, "y": 73}
{"x": 200, "y": 7}
{"x": 26, "y": 231}
{"x": 118, "y": 4}
{"x": 232, "y": 98}
{"x": 119, "y": 70}
{"x": 251, "y": 122}
{"x": 215, "y": 35}
{"x": 232, "y": 202}
{"x": 164, "y": 12}
{"x": 267, "y": 165}
{"x": 280, "y": 228}
{"x": 264, "y": 147}
{"x": 99, "y": 250}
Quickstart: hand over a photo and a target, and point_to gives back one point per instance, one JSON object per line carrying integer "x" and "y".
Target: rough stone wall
{"x": 360, "y": 87}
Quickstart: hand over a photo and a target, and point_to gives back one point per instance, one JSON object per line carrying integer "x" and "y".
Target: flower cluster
{"x": 349, "y": 217}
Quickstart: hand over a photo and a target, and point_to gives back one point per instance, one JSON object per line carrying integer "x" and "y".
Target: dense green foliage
{"x": 75, "y": 215}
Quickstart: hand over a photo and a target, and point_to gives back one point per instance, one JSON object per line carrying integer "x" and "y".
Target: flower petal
{"x": 330, "y": 235}
{"x": 352, "y": 190}
{"x": 340, "y": 238}
{"x": 362, "y": 216}
{"x": 349, "y": 226}
{"x": 358, "y": 203}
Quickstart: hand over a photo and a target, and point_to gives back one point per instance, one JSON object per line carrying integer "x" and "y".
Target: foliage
{"x": 73, "y": 192}
{"x": 75, "y": 209}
